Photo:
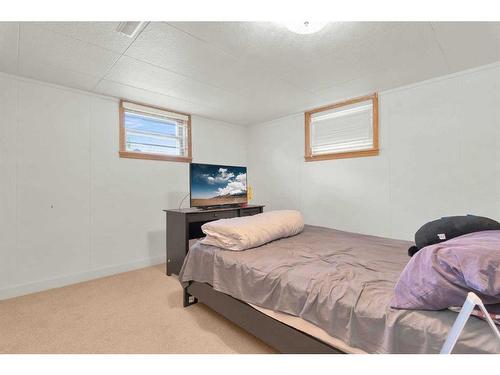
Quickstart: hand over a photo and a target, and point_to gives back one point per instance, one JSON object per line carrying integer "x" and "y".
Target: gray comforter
{"x": 342, "y": 282}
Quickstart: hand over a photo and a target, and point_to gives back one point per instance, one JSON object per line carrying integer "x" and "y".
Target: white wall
{"x": 70, "y": 208}
{"x": 440, "y": 155}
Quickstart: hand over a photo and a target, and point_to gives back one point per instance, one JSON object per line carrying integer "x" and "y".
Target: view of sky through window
{"x": 144, "y": 133}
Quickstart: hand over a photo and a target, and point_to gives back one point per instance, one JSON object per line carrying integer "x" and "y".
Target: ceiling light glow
{"x": 305, "y": 27}
{"x": 129, "y": 28}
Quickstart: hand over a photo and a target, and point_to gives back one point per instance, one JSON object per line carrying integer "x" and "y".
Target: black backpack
{"x": 446, "y": 228}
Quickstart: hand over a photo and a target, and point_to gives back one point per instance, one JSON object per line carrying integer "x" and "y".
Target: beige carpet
{"x": 134, "y": 312}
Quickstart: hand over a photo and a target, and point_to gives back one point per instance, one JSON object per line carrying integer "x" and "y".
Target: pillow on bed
{"x": 449, "y": 227}
{"x": 242, "y": 233}
{"x": 441, "y": 275}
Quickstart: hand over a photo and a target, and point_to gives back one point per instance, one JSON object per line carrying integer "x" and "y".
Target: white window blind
{"x": 155, "y": 131}
{"x": 343, "y": 129}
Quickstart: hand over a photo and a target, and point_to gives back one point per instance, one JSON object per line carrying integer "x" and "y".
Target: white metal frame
{"x": 472, "y": 301}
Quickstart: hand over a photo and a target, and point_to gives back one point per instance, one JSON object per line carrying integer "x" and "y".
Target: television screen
{"x": 214, "y": 185}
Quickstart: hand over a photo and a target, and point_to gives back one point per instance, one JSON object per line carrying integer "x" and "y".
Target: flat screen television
{"x": 217, "y": 185}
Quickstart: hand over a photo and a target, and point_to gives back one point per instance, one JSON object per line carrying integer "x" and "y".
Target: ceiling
{"x": 243, "y": 72}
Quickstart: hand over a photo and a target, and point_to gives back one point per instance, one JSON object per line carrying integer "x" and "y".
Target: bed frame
{"x": 280, "y": 336}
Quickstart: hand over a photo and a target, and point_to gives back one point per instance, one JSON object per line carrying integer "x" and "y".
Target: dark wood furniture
{"x": 280, "y": 336}
{"x": 185, "y": 224}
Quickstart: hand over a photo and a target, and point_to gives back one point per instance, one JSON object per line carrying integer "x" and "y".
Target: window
{"x": 343, "y": 130}
{"x": 154, "y": 133}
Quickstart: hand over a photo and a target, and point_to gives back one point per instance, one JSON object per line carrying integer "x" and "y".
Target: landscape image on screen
{"x": 213, "y": 185}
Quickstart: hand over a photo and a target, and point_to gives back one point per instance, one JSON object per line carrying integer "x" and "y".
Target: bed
{"x": 323, "y": 291}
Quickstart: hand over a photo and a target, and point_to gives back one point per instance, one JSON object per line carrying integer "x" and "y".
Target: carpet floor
{"x": 133, "y": 312}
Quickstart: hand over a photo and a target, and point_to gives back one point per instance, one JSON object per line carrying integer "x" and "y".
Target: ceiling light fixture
{"x": 129, "y": 28}
{"x": 305, "y": 27}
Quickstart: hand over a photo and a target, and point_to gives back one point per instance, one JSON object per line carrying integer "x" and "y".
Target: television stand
{"x": 185, "y": 224}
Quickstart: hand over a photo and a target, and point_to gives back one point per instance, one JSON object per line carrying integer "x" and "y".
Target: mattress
{"x": 338, "y": 281}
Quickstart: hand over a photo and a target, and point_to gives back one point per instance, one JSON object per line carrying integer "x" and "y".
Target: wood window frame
{"x": 374, "y": 151}
{"x": 150, "y": 156}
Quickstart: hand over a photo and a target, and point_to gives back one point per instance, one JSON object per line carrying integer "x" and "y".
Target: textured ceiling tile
{"x": 8, "y": 47}
{"x": 245, "y": 72}
{"x": 202, "y": 93}
{"x": 305, "y": 60}
{"x": 102, "y": 34}
{"x": 261, "y": 41}
{"x": 41, "y": 46}
{"x": 391, "y": 47}
{"x": 469, "y": 44}
{"x": 132, "y": 72}
{"x": 341, "y": 52}
{"x": 172, "y": 49}
{"x": 121, "y": 91}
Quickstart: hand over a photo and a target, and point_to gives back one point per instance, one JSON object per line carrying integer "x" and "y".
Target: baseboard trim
{"x": 38, "y": 286}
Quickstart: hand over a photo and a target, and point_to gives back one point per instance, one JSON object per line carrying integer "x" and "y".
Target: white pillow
{"x": 242, "y": 233}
